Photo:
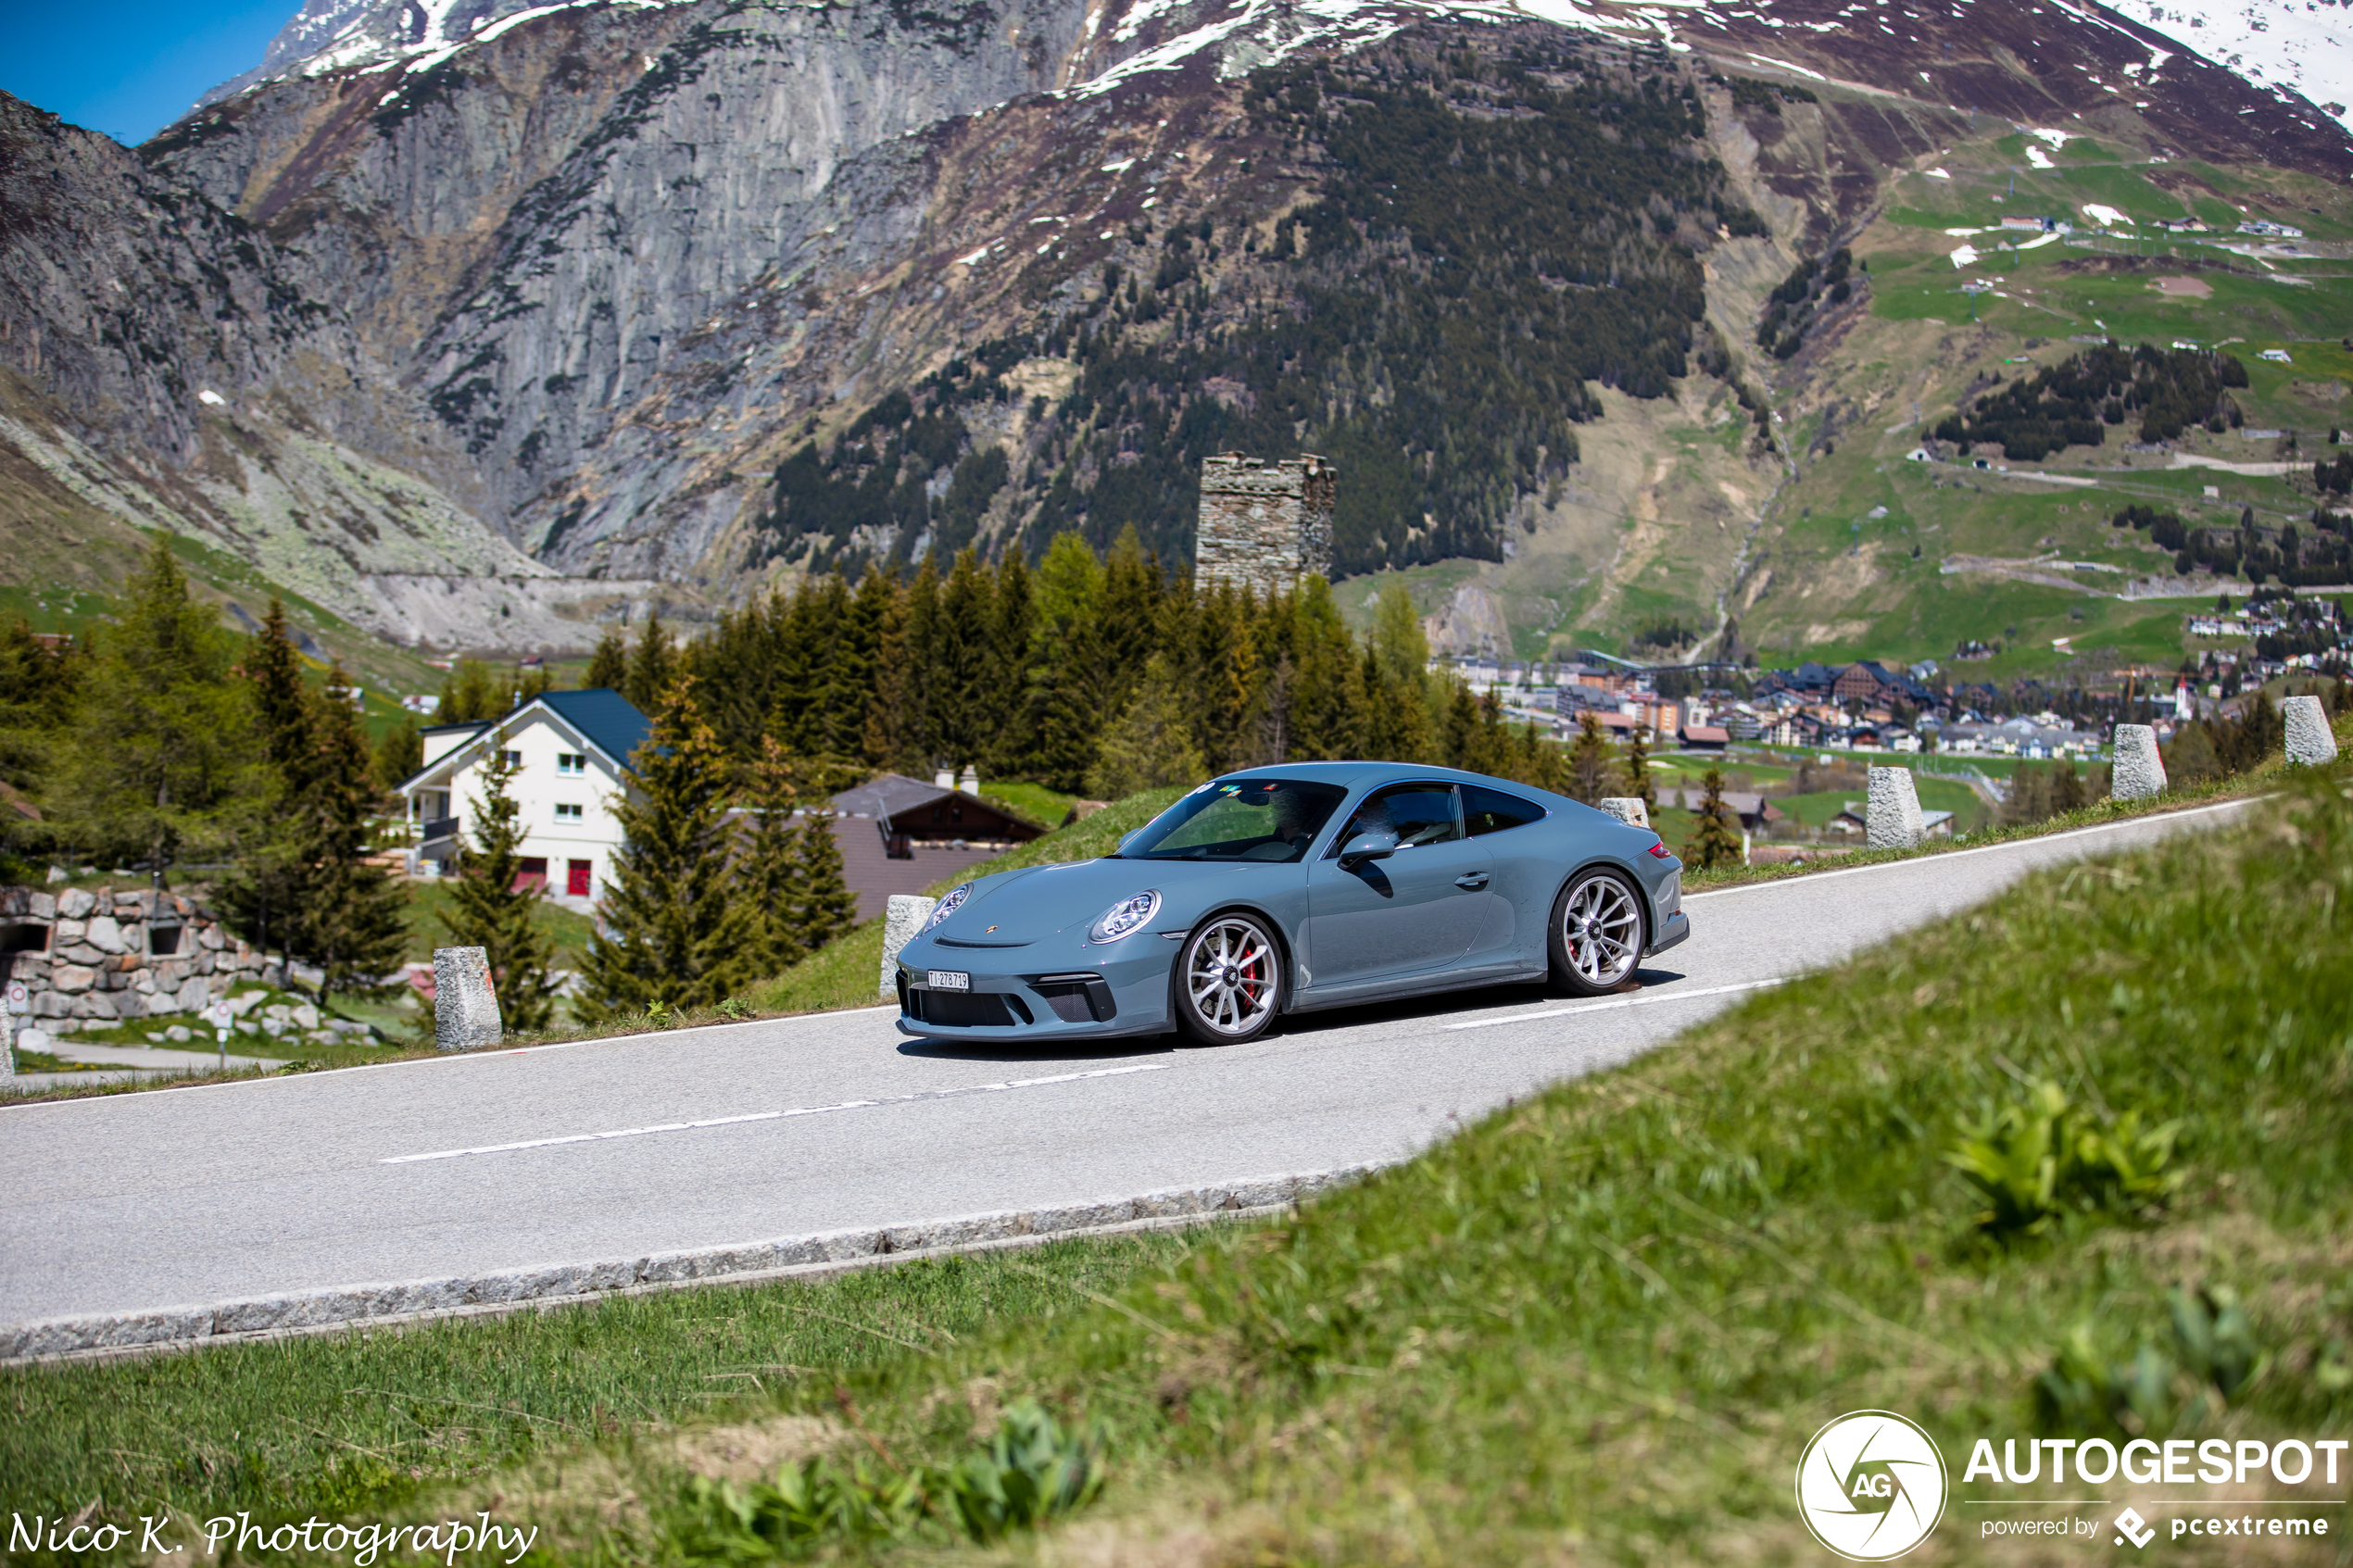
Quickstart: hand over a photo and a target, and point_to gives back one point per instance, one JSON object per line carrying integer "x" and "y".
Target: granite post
{"x": 1891, "y": 819}
{"x": 2137, "y": 770}
{"x": 2310, "y": 740}
{"x": 465, "y": 1009}
{"x": 901, "y": 922}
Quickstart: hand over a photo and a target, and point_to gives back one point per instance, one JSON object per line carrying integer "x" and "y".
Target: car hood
{"x": 1036, "y": 902}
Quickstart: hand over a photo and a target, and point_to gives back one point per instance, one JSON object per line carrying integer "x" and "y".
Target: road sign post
{"x": 220, "y": 1016}
{"x": 19, "y": 1003}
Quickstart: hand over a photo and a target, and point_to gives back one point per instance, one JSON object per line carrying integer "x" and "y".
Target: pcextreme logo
{"x": 1870, "y": 1485}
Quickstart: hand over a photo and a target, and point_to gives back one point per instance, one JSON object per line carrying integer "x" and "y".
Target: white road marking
{"x": 774, "y": 1115}
{"x": 1616, "y": 1002}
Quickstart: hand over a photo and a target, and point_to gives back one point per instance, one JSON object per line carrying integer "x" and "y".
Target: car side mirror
{"x": 1367, "y": 846}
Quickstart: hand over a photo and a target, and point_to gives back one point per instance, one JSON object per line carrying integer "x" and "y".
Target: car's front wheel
{"x": 1229, "y": 980}
{"x": 1597, "y": 933}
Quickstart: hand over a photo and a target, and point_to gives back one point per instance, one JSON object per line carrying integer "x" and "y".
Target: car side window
{"x": 1491, "y": 811}
{"x": 1415, "y": 814}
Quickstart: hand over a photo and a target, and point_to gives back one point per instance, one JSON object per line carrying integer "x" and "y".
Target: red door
{"x": 576, "y": 878}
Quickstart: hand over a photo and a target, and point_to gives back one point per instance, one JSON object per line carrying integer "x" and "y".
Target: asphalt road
{"x": 572, "y": 1154}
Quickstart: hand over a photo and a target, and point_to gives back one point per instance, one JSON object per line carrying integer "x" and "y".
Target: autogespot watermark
{"x": 1872, "y": 1484}
{"x": 159, "y": 1536}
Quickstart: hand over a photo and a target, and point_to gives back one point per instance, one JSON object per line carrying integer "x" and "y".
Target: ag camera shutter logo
{"x": 1872, "y": 1485}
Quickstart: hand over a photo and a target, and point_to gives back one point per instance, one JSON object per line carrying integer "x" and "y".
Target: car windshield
{"x": 1270, "y": 820}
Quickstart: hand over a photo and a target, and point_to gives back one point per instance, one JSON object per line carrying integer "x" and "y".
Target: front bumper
{"x": 1063, "y": 989}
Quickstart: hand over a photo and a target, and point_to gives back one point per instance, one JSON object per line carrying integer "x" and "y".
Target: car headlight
{"x": 1129, "y": 915}
{"x": 949, "y": 905}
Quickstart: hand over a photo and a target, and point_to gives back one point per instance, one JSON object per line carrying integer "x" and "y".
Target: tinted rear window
{"x": 1491, "y": 811}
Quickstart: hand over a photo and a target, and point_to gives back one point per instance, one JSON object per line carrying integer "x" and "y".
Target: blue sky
{"x": 129, "y": 68}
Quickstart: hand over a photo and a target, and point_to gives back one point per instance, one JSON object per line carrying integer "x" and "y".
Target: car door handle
{"x": 1472, "y": 880}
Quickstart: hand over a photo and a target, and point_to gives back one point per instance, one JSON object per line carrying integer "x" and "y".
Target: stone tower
{"x": 1263, "y": 525}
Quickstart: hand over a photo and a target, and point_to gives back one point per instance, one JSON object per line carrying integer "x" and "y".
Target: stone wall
{"x": 92, "y": 960}
{"x": 1263, "y": 525}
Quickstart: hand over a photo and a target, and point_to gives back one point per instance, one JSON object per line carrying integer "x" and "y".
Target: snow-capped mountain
{"x": 2300, "y": 47}
{"x": 2305, "y": 46}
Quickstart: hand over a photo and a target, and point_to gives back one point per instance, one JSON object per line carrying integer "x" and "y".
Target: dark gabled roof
{"x": 887, "y": 796}
{"x": 606, "y": 719}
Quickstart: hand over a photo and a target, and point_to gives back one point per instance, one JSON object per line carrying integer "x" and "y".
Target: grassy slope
{"x": 1847, "y": 584}
{"x": 1603, "y": 1320}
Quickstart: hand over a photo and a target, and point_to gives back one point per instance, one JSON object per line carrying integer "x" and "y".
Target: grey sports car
{"x": 1279, "y": 890}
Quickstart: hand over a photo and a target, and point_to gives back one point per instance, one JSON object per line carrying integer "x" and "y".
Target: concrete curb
{"x": 114, "y": 1334}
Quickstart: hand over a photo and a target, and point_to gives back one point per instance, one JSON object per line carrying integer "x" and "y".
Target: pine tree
{"x": 352, "y": 925}
{"x": 609, "y": 666}
{"x": 1639, "y": 784}
{"x": 882, "y": 614}
{"x": 826, "y": 908}
{"x": 398, "y": 755}
{"x": 674, "y": 930}
{"x": 1714, "y": 840}
{"x": 1149, "y": 745}
{"x": 270, "y": 882}
{"x": 494, "y": 908}
{"x": 164, "y": 751}
{"x": 768, "y": 877}
{"x": 1012, "y": 634}
{"x": 1589, "y": 768}
{"x": 1066, "y": 678}
{"x": 471, "y": 694}
{"x": 1398, "y": 638}
{"x": 1324, "y": 721}
{"x": 2067, "y": 789}
{"x": 40, "y": 685}
{"x": 651, "y": 665}
{"x": 963, "y": 704}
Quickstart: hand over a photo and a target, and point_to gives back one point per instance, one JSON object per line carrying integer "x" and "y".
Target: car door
{"x": 1417, "y": 910}
{"x": 1518, "y": 903}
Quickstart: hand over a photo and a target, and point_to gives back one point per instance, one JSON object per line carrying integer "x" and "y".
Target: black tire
{"x": 1597, "y": 933}
{"x": 1229, "y": 980}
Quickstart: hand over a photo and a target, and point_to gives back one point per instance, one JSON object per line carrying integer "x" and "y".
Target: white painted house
{"x": 573, "y": 750}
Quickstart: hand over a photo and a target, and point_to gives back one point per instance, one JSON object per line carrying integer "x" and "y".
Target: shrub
{"x": 2036, "y": 1161}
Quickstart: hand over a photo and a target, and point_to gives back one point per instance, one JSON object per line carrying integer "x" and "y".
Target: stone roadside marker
{"x": 2309, "y": 739}
{"x": 1892, "y": 818}
{"x": 2137, "y": 770}
{"x": 465, "y": 1010}
{"x": 902, "y": 922}
{"x": 1627, "y": 809}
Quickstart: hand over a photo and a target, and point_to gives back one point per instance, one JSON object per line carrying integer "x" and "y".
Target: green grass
{"x": 1033, "y": 802}
{"x": 1604, "y": 1319}
{"x": 428, "y": 901}
{"x": 359, "y": 1423}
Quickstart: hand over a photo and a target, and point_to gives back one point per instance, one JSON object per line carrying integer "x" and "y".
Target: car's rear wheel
{"x": 1229, "y": 980}
{"x": 1597, "y": 933}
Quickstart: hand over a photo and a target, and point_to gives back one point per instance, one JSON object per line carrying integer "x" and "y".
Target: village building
{"x": 572, "y": 750}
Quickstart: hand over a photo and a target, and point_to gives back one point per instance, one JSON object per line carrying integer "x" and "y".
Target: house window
{"x": 576, "y": 878}
{"x": 569, "y": 814}
{"x": 515, "y": 759}
{"x": 571, "y": 762}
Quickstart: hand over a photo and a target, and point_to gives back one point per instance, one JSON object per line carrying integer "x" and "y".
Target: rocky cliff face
{"x": 582, "y": 282}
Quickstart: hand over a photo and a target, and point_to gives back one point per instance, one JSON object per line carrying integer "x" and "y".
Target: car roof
{"x": 1353, "y": 775}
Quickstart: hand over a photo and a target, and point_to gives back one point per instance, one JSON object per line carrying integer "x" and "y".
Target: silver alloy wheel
{"x": 1601, "y": 931}
{"x": 1230, "y": 976}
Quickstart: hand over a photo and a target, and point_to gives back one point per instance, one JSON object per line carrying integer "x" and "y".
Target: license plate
{"x": 948, "y": 980}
